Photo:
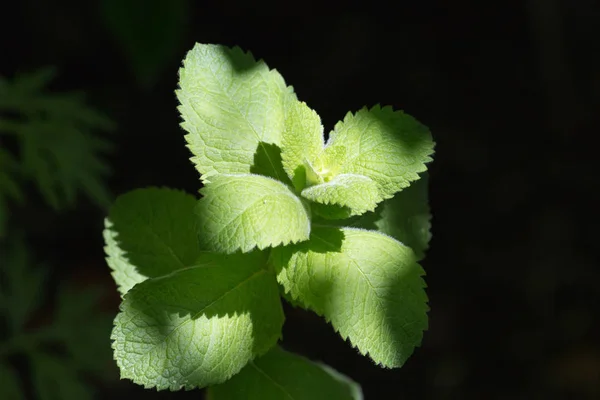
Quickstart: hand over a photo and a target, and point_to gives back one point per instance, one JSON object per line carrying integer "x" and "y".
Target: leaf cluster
{"x": 337, "y": 227}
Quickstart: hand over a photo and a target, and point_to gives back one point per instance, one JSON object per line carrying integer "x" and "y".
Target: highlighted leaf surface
{"x": 388, "y": 146}
{"x": 366, "y": 284}
{"x": 248, "y": 211}
{"x": 197, "y": 326}
{"x": 149, "y": 233}
{"x": 302, "y": 141}
{"x": 357, "y": 192}
{"x": 283, "y": 375}
{"x": 230, "y": 103}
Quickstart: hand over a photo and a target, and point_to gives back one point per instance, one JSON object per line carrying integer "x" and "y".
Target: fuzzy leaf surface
{"x": 197, "y": 326}
{"x": 149, "y": 233}
{"x": 356, "y": 192}
{"x": 365, "y": 283}
{"x": 283, "y": 375}
{"x": 302, "y": 141}
{"x": 388, "y": 146}
{"x": 230, "y": 105}
{"x": 247, "y": 211}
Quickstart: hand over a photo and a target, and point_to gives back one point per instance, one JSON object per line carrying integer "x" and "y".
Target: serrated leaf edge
{"x": 125, "y": 373}
{"x": 411, "y": 176}
{"x": 347, "y": 338}
{"x": 219, "y": 249}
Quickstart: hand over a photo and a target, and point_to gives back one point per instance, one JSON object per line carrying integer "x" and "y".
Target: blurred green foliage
{"x": 55, "y": 338}
{"x": 59, "y": 354}
{"x": 55, "y": 143}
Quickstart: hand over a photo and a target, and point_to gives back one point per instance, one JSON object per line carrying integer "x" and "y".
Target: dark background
{"x": 511, "y": 92}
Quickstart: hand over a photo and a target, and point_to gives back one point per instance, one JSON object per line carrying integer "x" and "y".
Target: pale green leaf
{"x": 325, "y": 213}
{"x": 388, "y": 146}
{"x": 230, "y": 105}
{"x": 302, "y": 142}
{"x": 248, "y": 211}
{"x": 357, "y": 192}
{"x": 197, "y": 326}
{"x": 149, "y": 233}
{"x": 365, "y": 283}
{"x": 282, "y": 375}
{"x": 267, "y": 162}
{"x": 406, "y": 217}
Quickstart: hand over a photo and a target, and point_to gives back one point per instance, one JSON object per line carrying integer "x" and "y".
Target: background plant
{"x": 54, "y": 144}
{"x": 212, "y": 281}
{"x": 53, "y": 341}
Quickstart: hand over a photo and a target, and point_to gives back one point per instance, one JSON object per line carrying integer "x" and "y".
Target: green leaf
{"x": 302, "y": 141}
{"x": 388, "y": 146}
{"x": 197, "y": 326}
{"x": 248, "y": 211}
{"x": 267, "y": 162}
{"x": 357, "y": 192}
{"x": 149, "y": 32}
{"x": 406, "y": 217}
{"x": 365, "y": 283}
{"x": 10, "y": 387}
{"x": 283, "y": 375}
{"x": 230, "y": 105}
{"x": 149, "y": 233}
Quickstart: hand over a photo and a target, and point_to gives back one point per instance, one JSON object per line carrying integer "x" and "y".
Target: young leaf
{"x": 365, "y": 283}
{"x": 283, "y": 375}
{"x": 387, "y": 146}
{"x": 230, "y": 104}
{"x": 149, "y": 233}
{"x": 302, "y": 141}
{"x": 248, "y": 211}
{"x": 406, "y": 217}
{"x": 357, "y": 192}
{"x": 197, "y": 326}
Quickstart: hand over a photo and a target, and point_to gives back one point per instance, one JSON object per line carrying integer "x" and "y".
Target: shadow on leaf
{"x": 267, "y": 162}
